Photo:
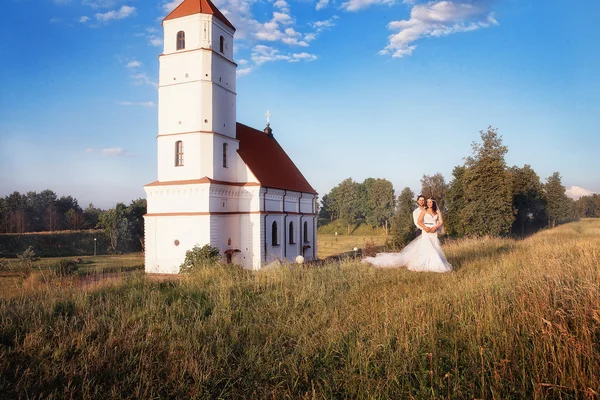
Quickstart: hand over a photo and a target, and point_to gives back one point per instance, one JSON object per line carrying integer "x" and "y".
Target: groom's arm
{"x": 416, "y": 218}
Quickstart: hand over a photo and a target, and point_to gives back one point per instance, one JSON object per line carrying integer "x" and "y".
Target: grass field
{"x": 331, "y": 245}
{"x": 515, "y": 320}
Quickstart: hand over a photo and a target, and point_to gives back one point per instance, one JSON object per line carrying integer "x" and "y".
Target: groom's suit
{"x": 416, "y": 215}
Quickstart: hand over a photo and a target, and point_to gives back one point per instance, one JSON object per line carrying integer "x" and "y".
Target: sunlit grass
{"x": 516, "y": 319}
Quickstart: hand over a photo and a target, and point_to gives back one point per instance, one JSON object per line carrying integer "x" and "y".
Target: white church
{"x": 219, "y": 182}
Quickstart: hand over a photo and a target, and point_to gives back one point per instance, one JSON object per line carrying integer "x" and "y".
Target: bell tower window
{"x": 224, "y": 155}
{"x": 221, "y": 44}
{"x": 179, "y": 153}
{"x": 180, "y": 40}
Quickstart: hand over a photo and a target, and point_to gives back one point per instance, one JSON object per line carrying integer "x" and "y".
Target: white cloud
{"x": 134, "y": 64}
{"x": 155, "y": 41}
{"x": 123, "y": 12}
{"x": 55, "y": 20}
{"x": 575, "y": 192}
{"x": 89, "y": 150}
{"x": 170, "y": 6}
{"x": 242, "y": 62}
{"x": 356, "y": 5}
{"x": 282, "y": 5}
{"x": 143, "y": 78}
{"x": 113, "y": 152}
{"x": 436, "y": 20}
{"x": 304, "y": 56}
{"x": 99, "y": 3}
{"x": 139, "y": 103}
{"x": 262, "y": 54}
{"x": 84, "y": 19}
{"x": 244, "y": 71}
{"x": 321, "y": 4}
{"x": 326, "y": 24}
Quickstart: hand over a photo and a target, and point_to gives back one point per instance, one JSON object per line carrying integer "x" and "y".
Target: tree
{"x": 348, "y": 202}
{"x": 74, "y": 219}
{"x": 528, "y": 198}
{"x": 135, "y": 216}
{"x": 434, "y": 187}
{"x": 557, "y": 203}
{"x": 380, "y": 195}
{"x": 91, "y": 216}
{"x": 455, "y": 203}
{"x": 588, "y": 206}
{"x": 403, "y": 226}
{"x": 116, "y": 227}
{"x": 487, "y": 188}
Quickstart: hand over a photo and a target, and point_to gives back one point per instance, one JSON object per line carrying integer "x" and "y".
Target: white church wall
{"x": 244, "y": 174}
{"x": 223, "y": 111}
{"x": 274, "y": 252}
{"x": 179, "y": 108}
{"x": 189, "y": 66}
{"x": 220, "y": 29}
{"x": 197, "y": 32}
{"x": 196, "y": 163}
{"x": 229, "y": 172}
{"x": 168, "y": 238}
{"x": 177, "y": 199}
{"x": 223, "y": 72}
{"x": 307, "y": 204}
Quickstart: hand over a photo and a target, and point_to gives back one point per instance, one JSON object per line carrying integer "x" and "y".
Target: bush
{"x": 26, "y": 260}
{"x": 65, "y": 268}
{"x": 199, "y": 257}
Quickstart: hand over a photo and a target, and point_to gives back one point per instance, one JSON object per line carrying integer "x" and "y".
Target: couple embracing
{"x": 424, "y": 253}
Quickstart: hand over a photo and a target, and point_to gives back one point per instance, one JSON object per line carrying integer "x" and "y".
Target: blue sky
{"x": 357, "y": 88}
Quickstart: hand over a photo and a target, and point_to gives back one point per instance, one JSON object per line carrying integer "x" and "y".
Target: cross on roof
{"x": 268, "y": 114}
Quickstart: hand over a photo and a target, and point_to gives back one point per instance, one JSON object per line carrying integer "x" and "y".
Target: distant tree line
{"x": 484, "y": 197}
{"x": 46, "y": 212}
{"x": 371, "y": 201}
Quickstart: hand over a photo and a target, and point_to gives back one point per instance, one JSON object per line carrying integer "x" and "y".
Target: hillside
{"x": 516, "y": 319}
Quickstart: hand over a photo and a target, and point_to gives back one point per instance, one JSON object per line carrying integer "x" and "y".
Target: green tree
{"x": 487, "y": 188}
{"x": 135, "y": 216}
{"x": 435, "y": 187}
{"x": 380, "y": 195}
{"x": 528, "y": 199}
{"x": 403, "y": 227}
{"x": 588, "y": 206}
{"x": 348, "y": 202}
{"x": 558, "y": 205}
{"x": 116, "y": 228}
{"x": 455, "y": 203}
{"x": 91, "y": 216}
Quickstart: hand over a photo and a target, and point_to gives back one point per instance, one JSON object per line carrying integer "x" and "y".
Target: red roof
{"x": 268, "y": 161}
{"x": 191, "y": 7}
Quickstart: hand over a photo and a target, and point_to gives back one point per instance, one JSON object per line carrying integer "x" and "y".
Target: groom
{"x": 417, "y": 213}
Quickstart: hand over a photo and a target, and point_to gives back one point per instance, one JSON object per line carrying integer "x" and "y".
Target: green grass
{"x": 515, "y": 320}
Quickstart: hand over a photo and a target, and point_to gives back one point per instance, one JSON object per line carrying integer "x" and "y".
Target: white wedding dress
{"x": 422, "y": 254}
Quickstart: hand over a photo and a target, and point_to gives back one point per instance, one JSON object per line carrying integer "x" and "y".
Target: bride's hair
{"x": 434, "y": 207}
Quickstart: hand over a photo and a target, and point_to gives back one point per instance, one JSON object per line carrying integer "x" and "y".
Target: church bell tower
{"x": 197, "y": 95}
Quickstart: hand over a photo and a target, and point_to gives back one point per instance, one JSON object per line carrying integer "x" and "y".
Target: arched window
{"x": 222, "y": 44}
{"x": 291, "y": 232}
{"x": 224, "y": 155}
{"x": 274, "y": 235}
{"x": 305, "y": 238}
{"x": 180, "y": 40}
{"x": 178, "y": 153}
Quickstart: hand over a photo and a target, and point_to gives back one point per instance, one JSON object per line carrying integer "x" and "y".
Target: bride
{"x": 422, "y": 254}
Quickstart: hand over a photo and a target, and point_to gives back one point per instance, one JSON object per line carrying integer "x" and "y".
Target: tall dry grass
{"x": 516, "y": 319}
